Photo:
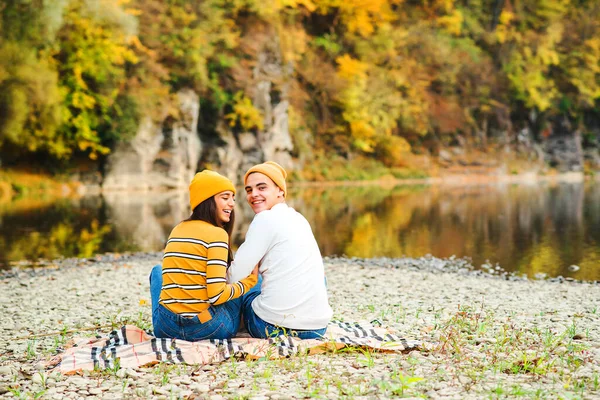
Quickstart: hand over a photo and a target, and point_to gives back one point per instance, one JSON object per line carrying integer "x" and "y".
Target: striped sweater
{"x": 194, "y": 269}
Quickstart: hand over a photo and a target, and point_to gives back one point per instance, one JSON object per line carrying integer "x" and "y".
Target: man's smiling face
{"x": 262, "y": 193}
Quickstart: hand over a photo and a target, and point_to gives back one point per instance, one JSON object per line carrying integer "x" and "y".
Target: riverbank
{"x": 39, "y": 186}
{"x": 463, "y": 178}
{"x": 490, "y": 336}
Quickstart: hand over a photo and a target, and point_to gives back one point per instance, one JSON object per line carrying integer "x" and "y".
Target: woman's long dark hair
{"x": 207, "y": 211}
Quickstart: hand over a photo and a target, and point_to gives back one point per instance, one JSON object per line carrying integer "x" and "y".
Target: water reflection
{"x": 544, "y": 228}
{"x": 528, "y": 229}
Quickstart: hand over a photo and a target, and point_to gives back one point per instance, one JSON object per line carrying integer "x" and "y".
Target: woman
{"x": 191, "y": 299}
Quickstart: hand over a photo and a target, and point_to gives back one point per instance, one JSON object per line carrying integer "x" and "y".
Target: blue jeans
{"x": 259, "y": 328}
{"x": 224, "y": 324}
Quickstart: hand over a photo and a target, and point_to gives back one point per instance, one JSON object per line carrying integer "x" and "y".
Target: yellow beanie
{"x": 207, "y": 184}
{"x": 273, "y": 171}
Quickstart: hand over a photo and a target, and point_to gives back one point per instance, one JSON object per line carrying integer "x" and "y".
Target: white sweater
{"x": 293, "y": 293}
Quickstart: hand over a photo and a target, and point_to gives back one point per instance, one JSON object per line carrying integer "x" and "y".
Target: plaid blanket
{"x": 131, "y": 347}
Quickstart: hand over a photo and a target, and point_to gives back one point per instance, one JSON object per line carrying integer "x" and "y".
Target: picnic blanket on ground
{"x": 131, "y": 347}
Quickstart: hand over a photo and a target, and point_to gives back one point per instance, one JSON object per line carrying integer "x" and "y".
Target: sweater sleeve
{"x": 256, "y": 244}
{"x": 217, "y": 288}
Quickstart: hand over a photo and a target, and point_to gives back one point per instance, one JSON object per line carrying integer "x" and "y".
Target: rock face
{"x": 167, "y": 155}
{"x": 563, "y": 148}
{"x": 591, "y": 148}
{"x": 232, "y": 153}
{"x": 159, "y": 156}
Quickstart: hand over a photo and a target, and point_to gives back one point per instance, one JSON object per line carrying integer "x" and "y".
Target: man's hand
{"x": 255, "y": 270}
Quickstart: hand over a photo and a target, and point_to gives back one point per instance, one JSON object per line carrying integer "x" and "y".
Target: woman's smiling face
{"x": 225, "y": 202}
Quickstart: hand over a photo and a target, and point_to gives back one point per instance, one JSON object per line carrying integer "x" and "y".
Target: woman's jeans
{"x": 258, "y": 328}
{"x": 224, "y": 324}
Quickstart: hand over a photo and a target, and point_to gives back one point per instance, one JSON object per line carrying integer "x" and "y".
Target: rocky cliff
{"x": 160, "y": 155}
{"x": 231, "y": 152}
{"x": 167, "y": 154}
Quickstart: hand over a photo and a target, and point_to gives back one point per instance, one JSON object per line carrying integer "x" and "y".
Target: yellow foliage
{"x": 361, "y": 23}
{"x": 4, "y": 74}
{"x": 582, "y": 68}
{"x": 77, "y": 71}
{"x": 272, "y": 10}
{"x": 130, "y": 11}
{"x": 393, "y": 151}
{"x": 452, "y": 23}
{"x": 308, "y": 4}
{"x": 350, "y": 68}
{"x": 293, "y": 42}
{"x": 362, "y": 132}
{"x": 504, "y": 31}
{"x": 83, "y": 101}
{"x": 245, "y": 114}
{"x": 94, "y": 148}
{"x": 501, "y": 34}
{"x": 548, "y": 56}
{"x": 353, "y": 97}
{"x": 361, "y": 16}
{"x": 386, "y": 92}
{"x": 529, "y": 69}
{"x": 506, "y": 17}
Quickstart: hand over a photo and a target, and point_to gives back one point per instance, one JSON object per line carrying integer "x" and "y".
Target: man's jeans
{"x": 258, "y": 328}
{"x": 224, "y": 324}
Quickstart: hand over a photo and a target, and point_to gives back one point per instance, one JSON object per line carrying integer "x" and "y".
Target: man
{"x": 291, "y": 297}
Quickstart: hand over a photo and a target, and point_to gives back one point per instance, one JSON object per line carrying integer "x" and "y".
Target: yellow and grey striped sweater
{"x": 194, "y": 269}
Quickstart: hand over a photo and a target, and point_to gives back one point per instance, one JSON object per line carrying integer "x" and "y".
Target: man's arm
{"x": 259, "y": 239}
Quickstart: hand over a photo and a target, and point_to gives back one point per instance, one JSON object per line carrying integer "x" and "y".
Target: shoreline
{"x": 426, "y": 263}
{"x": 490, "y": 335}
{"x": 446, "y": 179}
{"x": 75, "y": 189}
{"x": 461, "y": 179}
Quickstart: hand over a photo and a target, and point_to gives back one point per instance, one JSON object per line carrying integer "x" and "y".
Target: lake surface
{"x": 551, "y": 229}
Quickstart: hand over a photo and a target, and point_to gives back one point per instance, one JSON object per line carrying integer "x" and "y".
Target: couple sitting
{"x": 200, "y": 291}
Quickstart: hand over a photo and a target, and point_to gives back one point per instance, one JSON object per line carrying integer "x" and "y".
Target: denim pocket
{"x": 162, "y": 331}
{"x": 222, "y": 325}
{"x": 165, "y": 327}
{"x": 209, "y": 330}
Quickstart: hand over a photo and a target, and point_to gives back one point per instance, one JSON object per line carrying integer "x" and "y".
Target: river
{"x": 542, "y": 229}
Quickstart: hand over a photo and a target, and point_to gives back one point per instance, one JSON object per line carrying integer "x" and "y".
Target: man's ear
{"x": 281, "y": 193}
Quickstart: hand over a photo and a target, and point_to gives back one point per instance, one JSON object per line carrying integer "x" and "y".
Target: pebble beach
{"x": 485, "y": 334}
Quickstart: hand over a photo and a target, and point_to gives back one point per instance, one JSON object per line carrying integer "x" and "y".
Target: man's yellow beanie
{"x": 273, "y": 171}
{"x": 206, "y": 184}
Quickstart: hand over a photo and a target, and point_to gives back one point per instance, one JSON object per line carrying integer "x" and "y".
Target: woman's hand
{"x": 255, "y": 271}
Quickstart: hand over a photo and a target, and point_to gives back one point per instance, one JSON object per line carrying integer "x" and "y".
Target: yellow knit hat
{"x": 273, "y": 171}
{"x": 207, "y": 184}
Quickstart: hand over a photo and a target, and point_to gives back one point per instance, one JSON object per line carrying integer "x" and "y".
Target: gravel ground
{"x": 489, "y": 335}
